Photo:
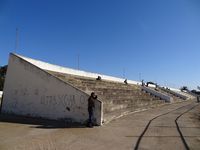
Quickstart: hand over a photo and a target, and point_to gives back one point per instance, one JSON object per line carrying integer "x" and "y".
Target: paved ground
{"x": 120, "y": 134}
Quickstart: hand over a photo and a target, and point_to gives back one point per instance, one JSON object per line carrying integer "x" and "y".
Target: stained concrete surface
{"x": 121, "y": 134}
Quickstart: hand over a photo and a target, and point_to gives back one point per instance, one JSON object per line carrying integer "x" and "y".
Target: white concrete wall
{"x": 188, "y": 95}
{"x": 1, "y": 93}
{"x": 151, "y": 85}
{"x": 173, "y": 89}
{"x": 51, "y": 67}
{"x": 158, "y": 94}
{"x": 30, "y": 91}
{"x": 176, "y": 93}
{"x": 179, "y": 94}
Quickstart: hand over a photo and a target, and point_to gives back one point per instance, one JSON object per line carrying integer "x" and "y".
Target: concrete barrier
{"x": 158, "y": 94}
{"x": 51, "y": 67}
{"x": 1, "y": 94}
{"x": 98, "y": 112}
{"x": 174, "y": 93}
{"x": 31, "y": 91}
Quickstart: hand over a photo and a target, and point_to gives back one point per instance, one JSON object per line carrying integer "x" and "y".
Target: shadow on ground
{"x": 39, "y": 122}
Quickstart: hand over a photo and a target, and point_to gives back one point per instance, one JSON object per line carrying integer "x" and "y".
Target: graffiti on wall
{"x": 70, "y": 102}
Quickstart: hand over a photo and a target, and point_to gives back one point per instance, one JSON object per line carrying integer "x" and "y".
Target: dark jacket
{"x": 91, "y": 103}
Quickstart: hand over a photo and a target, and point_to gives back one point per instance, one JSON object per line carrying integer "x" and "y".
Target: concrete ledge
{"x": 56, "y": 68}
{"x": 98, "y": 112}
{"x": 1, "y": 93}
{"x": 174, "y": 93}
{"x": 158, "y": 94}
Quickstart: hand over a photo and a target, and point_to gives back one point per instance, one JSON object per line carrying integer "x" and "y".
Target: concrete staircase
{"x": 118, "y": 98}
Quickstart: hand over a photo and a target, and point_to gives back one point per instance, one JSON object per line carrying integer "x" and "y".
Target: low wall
{"x": 1, "y": 94}
{"x": 31, "y": 91}
{"x": 98, "y": 112}
{"x": 158, "y": 94}
{"x": 51, "y": 67}
{"x": 174, "y": 93}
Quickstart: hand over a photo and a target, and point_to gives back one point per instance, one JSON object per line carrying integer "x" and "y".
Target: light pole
{"x": 140, "y": 76}
{"x": 16, "y": 40}
{"x": 78, "y": 61}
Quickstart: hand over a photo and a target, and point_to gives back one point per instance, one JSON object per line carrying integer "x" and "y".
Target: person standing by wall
{"x": 91, "y": 107}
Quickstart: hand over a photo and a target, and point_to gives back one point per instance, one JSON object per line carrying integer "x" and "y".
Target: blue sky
{"x": 155, "y": 40}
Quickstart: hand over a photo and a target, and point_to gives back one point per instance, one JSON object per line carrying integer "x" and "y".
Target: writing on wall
{"x": 69, "y": 101}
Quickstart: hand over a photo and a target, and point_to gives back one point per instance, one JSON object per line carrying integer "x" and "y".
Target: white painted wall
{"x": 151, "y": 85}
{"x": 30, "y": 91}
{"x": 51, "y": 67}
{"x": 173, "y": 89}
{"x": 1, "y": 93}
{"x": 190, "y": 96}
{"x": 176, "y": 93}
{"x": 158, "y": 94}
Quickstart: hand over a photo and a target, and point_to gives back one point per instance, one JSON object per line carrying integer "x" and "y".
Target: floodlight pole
{"x": 124, "y": 73}
{"x": 140, "y": 76}
{"x": 16, "y": 40}
{"x": 78, "y": 61}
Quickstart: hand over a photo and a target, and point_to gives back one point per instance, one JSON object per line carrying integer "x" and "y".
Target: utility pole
{"x": 78, "y": 61}
{"x": 140, "y": 77}
{"x": 16, "y": 40}
{"x": 124, "y": 73}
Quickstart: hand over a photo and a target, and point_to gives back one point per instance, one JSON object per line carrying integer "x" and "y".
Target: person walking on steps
{"x": 91, "y": 107}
